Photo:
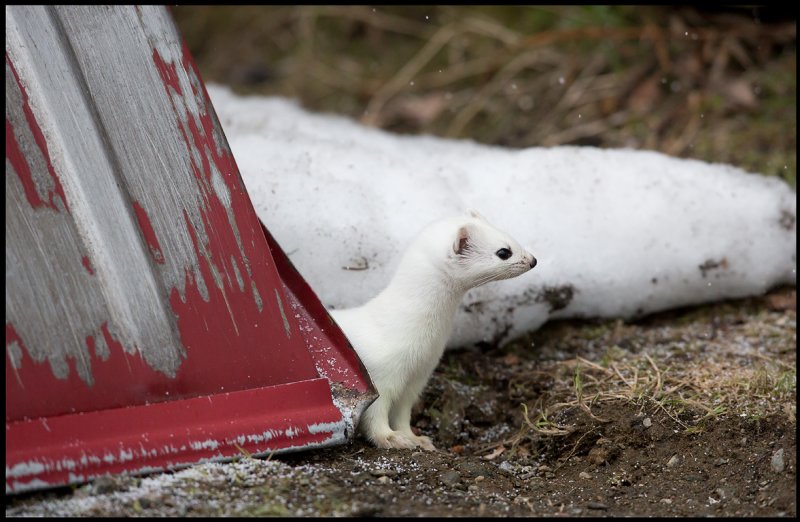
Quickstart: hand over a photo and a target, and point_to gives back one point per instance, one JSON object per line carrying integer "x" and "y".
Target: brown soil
{"x": 722, "y": 450}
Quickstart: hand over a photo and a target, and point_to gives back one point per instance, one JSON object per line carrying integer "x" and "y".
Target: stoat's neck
{"x": 421, "y": 299}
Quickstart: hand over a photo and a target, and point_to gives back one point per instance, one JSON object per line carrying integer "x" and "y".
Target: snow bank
{"x": 617, "y": 233}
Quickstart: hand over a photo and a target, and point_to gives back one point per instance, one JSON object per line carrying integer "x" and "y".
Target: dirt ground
{"x": 683, "y": 413}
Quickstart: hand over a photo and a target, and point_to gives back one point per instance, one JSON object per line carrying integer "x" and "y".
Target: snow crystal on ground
{"x": 617, "y": 233}
{"x": 184, "y": 489}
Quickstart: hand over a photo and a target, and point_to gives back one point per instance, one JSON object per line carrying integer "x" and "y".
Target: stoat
{"x": 401, "y": 333}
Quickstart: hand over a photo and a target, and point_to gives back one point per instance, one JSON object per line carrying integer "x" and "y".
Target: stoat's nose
{"x": 533, "y": 261}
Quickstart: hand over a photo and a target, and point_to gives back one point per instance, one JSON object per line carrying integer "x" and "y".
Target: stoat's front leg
{"x": 375, "y": 426}
{"x": 400, "y": 413}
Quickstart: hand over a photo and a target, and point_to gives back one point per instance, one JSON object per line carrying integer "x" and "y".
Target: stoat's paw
{"x": 419, "y": 441}
{"x": 393, "y": 439}
{"x": 424, "y": 443}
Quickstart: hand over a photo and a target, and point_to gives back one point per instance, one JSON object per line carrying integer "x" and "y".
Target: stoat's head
{"x": 478, "y": 253}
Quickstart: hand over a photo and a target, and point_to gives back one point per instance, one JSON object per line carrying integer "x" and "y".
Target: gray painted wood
{"x": 151, "y": 202}
{"x": 100, "y": 225}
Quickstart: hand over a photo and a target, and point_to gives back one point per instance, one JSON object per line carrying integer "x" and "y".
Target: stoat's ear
{"x": 462, "y": 240}
{"x": 474, "y": 213}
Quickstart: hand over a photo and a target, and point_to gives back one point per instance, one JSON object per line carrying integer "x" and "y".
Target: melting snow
{"x": 616, "y": 232}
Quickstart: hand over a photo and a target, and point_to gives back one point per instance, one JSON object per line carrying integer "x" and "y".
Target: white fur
{"x": 401, "y": 333}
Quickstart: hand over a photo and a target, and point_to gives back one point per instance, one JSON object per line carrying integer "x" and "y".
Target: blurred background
{"x": 713, "y": 83}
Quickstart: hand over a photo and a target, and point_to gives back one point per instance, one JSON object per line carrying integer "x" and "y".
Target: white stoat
{"x": 401, "y": 333}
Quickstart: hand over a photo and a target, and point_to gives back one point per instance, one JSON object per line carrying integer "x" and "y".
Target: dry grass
{"x": 694, "y": 367}
{"x": 719, "y": 86}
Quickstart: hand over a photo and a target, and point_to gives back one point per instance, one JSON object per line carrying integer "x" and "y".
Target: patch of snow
{"x": 616, "y": 232}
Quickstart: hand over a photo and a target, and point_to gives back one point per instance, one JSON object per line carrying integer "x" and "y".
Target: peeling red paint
{"x": 11, "y": 373}
{"x": 90, "y": 344}
{"x": 209, "y": 333}
{"x": 22, "y": 168}
{"x": 216, "y": 365}
{"x": 332, "y": 353}
{"x": 324, "y": 340}
{"x": 230, "y": 343}
{"x": 144, "y": 437}
{"x": 87, "y": 264}
{"x": 217, "y": 360}
{"x": 239, "y": 373}
{"x": 116, "y": 380}
{"x": 168, "y": 72}
{"x": 149, "y": 233}
{"x": 245, "y": 324}
{"x": 12, "y": 336}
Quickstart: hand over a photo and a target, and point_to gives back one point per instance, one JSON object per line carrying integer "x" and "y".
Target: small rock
{"x": 721, "y": 493}
{"x": 149, "y": 501}
{"x": 473, "y": 469}
{"x": 721, "y": 462}
{"x": 480, "y": 478}
{"x": 777, "y": 461}
{"x": 361, "y": 477}
{"x": 778, "y": 302}
{"x": 599, "y": 455}
{"x": 365, "y": 510}
{"x": 450, "y": 478}
{"x": 647, "y": 422}
{"x": 666, "y": 501}
{"x": 584, "y": 475}
{"x": 473, "y": 488}
{"x": 596, "y": 505}
{"x": 674, "y": 461}
{"x": 384, "y": 479}
{"x": 383, "y": 473}
{"x": 103, "y": 485}
{"x": 508, "y": 467}
{"x": 83, "y": 491}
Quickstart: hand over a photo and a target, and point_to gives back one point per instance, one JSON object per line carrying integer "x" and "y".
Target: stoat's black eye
{"x": 503, "y": 253}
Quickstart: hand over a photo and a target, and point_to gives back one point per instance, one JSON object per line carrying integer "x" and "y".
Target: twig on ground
{"x": 406, "y": 74}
